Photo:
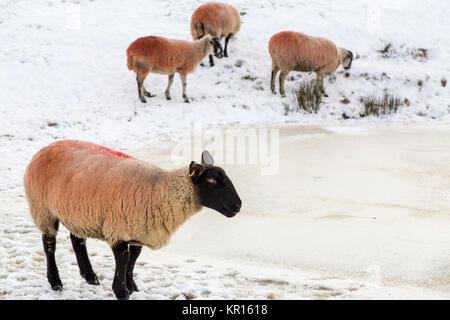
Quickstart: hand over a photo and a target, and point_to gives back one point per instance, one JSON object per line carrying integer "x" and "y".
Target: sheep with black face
{"x": 96, "y": 192}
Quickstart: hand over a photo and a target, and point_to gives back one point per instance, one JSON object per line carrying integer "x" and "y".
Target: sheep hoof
{"x": 55, "y": 283}
{"x": 202, "y": 64}
{"x": 283, "y": 95}
{"x": 325, "y": 94}
{"x": 122, "y": 294}
{"x": 225, "y": 54}
{"x": 148, "y": 94}
{"x": 143, "y": 100}
{"x": 91, "y": 279}
{"x": 186, "y": 99}
{"x": 94, "y": 282}
{"x": 130, "y": 291}
{"x": 57, "y": 287}
{"x": 132, "y": 287}
{"x": 168, "y": 96}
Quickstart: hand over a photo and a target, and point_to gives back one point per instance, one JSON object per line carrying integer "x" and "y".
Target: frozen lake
{"x": 354, "y": 202}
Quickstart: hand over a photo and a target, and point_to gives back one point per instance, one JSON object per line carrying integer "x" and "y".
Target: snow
{"x": 64, "y": 75}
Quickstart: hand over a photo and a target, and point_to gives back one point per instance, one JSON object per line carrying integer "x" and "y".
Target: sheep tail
{"x": 130, "y": 62}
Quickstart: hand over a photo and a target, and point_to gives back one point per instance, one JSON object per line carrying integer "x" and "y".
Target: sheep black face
{"x": 215, "y": 189}
{"x": 347, "y": 63}
{"x": 218, "y": 52}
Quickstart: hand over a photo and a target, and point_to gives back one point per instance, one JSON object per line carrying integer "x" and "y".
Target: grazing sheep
{"x": 167, "y": 56}
{"x": 218, "y": 20}
{"x": 297, "y": 51}
{"x": 96, "y": 192}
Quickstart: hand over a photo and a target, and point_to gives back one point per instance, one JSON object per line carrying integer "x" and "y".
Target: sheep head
{"x": 215, "y": 190}
{"x": 347, "y": 61}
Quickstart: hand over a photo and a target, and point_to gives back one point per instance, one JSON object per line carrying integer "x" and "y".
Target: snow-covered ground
{"x": 63, "y": 75}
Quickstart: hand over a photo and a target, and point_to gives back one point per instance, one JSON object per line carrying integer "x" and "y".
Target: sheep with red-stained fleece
{"x": 96, "y": 192}
{"x": 167, "y": 56}
{"x": 296, "y": 51}
{"x": 218, "y": 20}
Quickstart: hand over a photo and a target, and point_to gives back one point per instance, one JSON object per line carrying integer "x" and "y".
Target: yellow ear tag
{"x": 192, "y": 173}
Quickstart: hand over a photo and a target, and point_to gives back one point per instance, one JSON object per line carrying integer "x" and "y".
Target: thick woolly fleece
{"x": 166, "y": 56}
{"x": 100, "y": 193}
{"x": 216, "y": 19}
{"x": 299, "y": 52}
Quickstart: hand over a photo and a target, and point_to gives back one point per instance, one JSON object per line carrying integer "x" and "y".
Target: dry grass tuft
{"x": 308, "y": 98}
{"x": 379, "y": 106}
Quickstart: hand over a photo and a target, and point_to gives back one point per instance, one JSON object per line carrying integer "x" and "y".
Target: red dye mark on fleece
{"x": 114, "y": 152}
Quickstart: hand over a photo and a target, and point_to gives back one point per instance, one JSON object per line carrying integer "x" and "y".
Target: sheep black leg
{"x": 122, "y": 256}
{"x": 79, "y": 246}
{"x": 275, "y": 70}
{"x": 272, "y": 82}
{"x": 135, "y": 251}
{"x": 148, "y": 94}
{"x": 49, "y": 243}
{"x": 225, "y": 51}
{"x": 211, "y": 60}
{"x": 282, "y": 78}
{"x": 140, "y": 83}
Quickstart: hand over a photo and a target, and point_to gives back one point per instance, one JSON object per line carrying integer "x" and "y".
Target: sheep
{"x": 218, "y": 20}
{"x": 167, "y": 56}
{"x": 291, "y": 50}
{"x": 96, "y": 192}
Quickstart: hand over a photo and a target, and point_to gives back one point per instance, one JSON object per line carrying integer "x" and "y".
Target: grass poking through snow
{"x": 308, "y": 98}
{"x": 378, "y": 106}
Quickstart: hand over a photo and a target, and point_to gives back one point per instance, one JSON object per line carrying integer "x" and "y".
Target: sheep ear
{"x": 207, "y": 159}
{"x": 195, "y": 171}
